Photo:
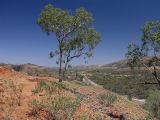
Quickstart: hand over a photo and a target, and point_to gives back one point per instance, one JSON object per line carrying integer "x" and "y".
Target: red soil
{"x": 89, "y": 106}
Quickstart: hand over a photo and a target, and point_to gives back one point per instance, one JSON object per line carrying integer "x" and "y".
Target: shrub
{"x": 153, "y": 103}
{"x": 61, "y": 85}
{"x": 10, "y": 98}
{"x": 63, "y": 107}
{"x": 107, "y": 98}
{"x": 129, "y": 97}
{"x": 58, "y": 106}
{"x": 35, "y": 106}
{"x": 49, "y": 87}
{"x": 16, "y": 91}
{"x": 35, "y": 91}
{"x": 43, "y": 86}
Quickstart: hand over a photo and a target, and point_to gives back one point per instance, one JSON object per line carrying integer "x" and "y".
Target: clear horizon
{"x": 119, "y": 22}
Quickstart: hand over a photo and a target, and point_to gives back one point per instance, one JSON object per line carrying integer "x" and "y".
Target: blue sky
{"x": 118, "y": 21}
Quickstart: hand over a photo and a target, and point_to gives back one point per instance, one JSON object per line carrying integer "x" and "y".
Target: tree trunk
{"x": 65, "y": 68}
{"x": 156, "y": 76}
{"x": 60, "y": 67}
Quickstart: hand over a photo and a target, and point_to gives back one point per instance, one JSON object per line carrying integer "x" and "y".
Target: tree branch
{"x": 78, "y": 55}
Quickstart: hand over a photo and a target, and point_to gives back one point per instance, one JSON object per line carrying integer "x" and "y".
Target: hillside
{"x": 117, "y": 64}
{"x": 123, "y": 63}
{"x": 19, "y": 87}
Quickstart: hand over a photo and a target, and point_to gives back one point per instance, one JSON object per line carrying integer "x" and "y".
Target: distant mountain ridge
{"x": 114, "y": 65}
{"x": 117, "y": 64}
{"x": 28, "y": 66}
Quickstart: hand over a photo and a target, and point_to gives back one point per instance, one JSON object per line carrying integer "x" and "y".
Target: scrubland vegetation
{"x": 124, "y": 82}
{"x": 107, "y": 98}
{"x": 57, "y": 106}
{"x": 76, "y": 37}
{"x": 10, "y": 98}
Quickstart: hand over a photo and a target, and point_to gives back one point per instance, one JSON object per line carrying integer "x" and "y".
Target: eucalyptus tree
{"x": 75, "y": 34}
{"x": 150, "y": 46}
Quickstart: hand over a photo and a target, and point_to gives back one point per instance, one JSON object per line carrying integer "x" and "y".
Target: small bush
{"x": 107, "y": 98}
{"x": 10, "y": 98}
{"x": 153, "y": 103}
{"x": 129, "y": 97}
{"x": 35, "y": 91}
{"x": 16, "y": 91}
{"x": 49, "y": 87}
{"x": 61, "y": 85}
{"x": 58, "y": 106}
{"x": 35, "y": 106}
{"x": 43, "y": 86}
{"x": 63, "y": 107}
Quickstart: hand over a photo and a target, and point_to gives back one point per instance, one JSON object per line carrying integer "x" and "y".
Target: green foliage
{"x": 153, "y": 102}
{"x": 129, "y": 97}
{"x": 151, "y": 40}
{"x": 42, "y": 85}
{"x": 123, "y": 82}
{"x": 62, "y": 85}
{"x": 59, "y": 107}
{"x": 134, "y": 55}
{"x": 75, "y": 34}
{"x": 150, "y": 46}
{"x": 63, "y": 107}
{"x": 49, "y": 87}
{"x": 107, "y": 98}
{"x": 52, "y": 87}
{"x": 151, "y": 35}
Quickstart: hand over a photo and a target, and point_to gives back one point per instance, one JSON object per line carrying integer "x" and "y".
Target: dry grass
{"x": 48, "y": 95}
{"x": 10, "y": 98}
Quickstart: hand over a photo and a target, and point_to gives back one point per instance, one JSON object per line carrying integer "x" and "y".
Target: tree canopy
{"x": 75, "y": 34}
{"x": 150, "y": 47}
